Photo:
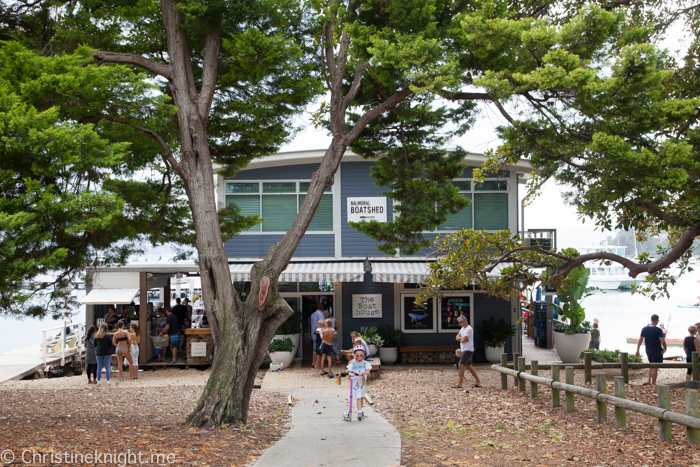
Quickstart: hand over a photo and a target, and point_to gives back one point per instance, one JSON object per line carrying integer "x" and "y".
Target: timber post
{"x": 587, "y": 357}
{"x": 569, "y": 395}
{"x": 691, "y": 409}
{"x": 534, "y": 369}
{"x": 664, "y": 403}
{"x": 521, "y": 381}
{"x": 624, "y": 366}
{"x": 516, "y": 360}
{"x": 555, "y": 392}
{"x": 620, "y": 413}
{"x": 504, "y": 377}
{"x": 602, "y": 407}
{"x": 695, "y": 366}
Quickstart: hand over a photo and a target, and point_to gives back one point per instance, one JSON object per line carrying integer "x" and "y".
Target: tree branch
{"x": 162, "y": 69}
{"x": 210, "y": 66}
{"x": 660, "y": 213}
{"x": 167, "y": 153}
{"x": 367, "y": 118}
{"x": 355, "y": 87}
{"x": 470, "y": 96}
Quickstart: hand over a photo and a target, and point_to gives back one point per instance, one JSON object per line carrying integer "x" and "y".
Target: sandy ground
{"x": 159, "y": 378}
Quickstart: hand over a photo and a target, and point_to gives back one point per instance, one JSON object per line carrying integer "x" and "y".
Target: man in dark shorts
{"x": 655, "y": 344}
{"x": 172, "y": 328}
{"x": 465, "y": 337}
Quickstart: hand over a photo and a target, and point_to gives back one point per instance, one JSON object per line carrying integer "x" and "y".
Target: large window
{"x": 278, "y": 204}
{"x": 488, "y": 210}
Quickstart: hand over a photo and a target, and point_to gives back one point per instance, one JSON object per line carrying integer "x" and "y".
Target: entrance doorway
{"x": 309, "y": 304}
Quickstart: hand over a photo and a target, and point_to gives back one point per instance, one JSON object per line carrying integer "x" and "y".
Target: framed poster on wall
{"x": 417, "y": 318}
{"x": 451, "y": 307}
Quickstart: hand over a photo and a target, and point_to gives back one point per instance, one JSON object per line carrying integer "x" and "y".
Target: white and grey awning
{"x": 110, "y": 296}
{"x": 307, "y": 272}
{"x": 401, "y": 272}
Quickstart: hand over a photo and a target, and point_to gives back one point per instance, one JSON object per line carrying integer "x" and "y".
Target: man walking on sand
{"x": 655, "y": 344}
{"x": 465, "y": 337}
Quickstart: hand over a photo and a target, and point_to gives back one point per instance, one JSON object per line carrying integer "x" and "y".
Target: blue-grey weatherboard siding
{"x": 356, "y": 182}
{"x": 256, "y": 246}
{"x": 366, "y": 287}
{"x": 484, "y": 308}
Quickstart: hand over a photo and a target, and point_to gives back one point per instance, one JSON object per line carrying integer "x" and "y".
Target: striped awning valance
{"x": 399, "y": 271}
{"x": 307, "y": 272}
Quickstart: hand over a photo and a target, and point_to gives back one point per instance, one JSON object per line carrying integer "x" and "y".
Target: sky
{"x": 547, "y": 212}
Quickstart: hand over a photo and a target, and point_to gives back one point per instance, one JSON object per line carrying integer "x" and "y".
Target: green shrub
{"x": 496, "y": 333}
{"x": 279, "y": 345}
{"x": 392, "y": 337}
{"x": 566, "y": 329}
{"x": 292, "y": 325}
{"x": 609, "y": 356}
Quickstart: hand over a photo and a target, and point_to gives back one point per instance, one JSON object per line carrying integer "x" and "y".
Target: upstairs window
{"x": 488, "y": 210}
{"x": 278, "y": 203}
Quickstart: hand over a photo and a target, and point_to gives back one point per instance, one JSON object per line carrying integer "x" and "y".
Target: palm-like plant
{"x": 496, "y": 333}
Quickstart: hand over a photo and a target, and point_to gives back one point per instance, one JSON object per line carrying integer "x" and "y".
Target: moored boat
{"x": 669, "y": 342}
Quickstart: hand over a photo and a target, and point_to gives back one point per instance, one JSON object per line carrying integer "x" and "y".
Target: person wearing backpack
{"x": 103, "y": 351}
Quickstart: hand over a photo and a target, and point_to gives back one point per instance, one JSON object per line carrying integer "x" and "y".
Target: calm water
{"x": 620, "y": 314}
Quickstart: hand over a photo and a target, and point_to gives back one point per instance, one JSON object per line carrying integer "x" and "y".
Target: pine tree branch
{"x": 369, "y": 116}
{"x": 355, "y": 87}
{"x": 210, "y": 65}
{"x": 162, "y": 69}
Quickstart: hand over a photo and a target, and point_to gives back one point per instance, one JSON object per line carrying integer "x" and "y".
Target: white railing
{"x": 59, "y": 345}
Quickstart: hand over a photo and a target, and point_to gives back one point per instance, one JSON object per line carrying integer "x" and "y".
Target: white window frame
{"x": 298, "y": 192}
{"x": 454, "y": 293}
{"x": 472, "y": 192}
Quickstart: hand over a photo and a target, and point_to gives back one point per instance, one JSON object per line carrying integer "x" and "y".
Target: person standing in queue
{"x": 313, "y": 325}
{"x": 655, "y": 344}
{"x": 172, "y": 328}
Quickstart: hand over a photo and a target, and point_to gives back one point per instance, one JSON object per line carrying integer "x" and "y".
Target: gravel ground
{"x": 441, "y": 426}
{"x": 142, "y": 418}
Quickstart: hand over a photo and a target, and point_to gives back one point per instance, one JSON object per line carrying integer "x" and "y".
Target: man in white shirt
{"x": 465, "y": 337}
{"x": 316, "y": 316}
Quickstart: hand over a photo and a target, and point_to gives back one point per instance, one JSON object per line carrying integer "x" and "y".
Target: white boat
{"x": 613, "y": 278}
{"x": 669, "y": 342}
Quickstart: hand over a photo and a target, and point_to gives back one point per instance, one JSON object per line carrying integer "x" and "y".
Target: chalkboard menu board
{"x": 418, "y": 318}
{"x": 453, "y": 307}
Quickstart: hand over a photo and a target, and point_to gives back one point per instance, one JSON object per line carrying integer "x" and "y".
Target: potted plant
{"x": 368, "y": 333}
{"x": 393, "y": 339}
{"x": 571, "y": 339}
{"x": 291, "y": 329}
{"x": 281, "y": 351}
{"x": 495, "y": 335}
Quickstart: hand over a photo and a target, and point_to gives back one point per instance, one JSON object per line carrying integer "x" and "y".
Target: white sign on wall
{"x": 366, "y": 305}
{"x": 198, "y": 349}
{"x": 367, "y": 209}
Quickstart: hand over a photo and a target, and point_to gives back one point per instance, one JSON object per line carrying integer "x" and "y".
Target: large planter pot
{"x": 285, "y": 358}
{"x": 493, "y": 354}
{"x": 389, "y": 355}
{"x": 296, "y": 338}
{"x": 372, "y": 350}
{"x": 570, "y": 346}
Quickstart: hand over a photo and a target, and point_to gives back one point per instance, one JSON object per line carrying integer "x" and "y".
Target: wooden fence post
{"x": 624, "y": 361}
{"x": 555, "y": 392}
{"x": 516, "y": 361}
{"x": 534, "y": 369}
{"x": 691, "y": 408}
{"x": 601, "y": 386}
{"x": 569, "y": 395}
{"x": 587, "y": 357}
{"x": 521, "y": 381}
{"x": 695, "y": 366}
{"x": 504, "y": 377}
{"x": 620, "y": 414}
{"x": 664, "y": 403}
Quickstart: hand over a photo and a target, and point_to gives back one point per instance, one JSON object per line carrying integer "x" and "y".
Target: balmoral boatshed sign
{"x": 367, "y": 209}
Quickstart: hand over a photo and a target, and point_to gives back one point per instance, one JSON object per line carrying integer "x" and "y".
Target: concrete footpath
{"x": 319, "y": 436}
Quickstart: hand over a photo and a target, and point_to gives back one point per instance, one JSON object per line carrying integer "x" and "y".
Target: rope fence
{"x": 664, "y": 414}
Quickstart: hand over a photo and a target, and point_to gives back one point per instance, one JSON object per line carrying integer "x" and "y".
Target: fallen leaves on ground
{"x": 441, "y": 426}
{"x": 149, "y": 421}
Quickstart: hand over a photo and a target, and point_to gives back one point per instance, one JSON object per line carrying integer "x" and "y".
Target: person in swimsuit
{"x": 134, "y": 349}
{"x": 122, "y": 341}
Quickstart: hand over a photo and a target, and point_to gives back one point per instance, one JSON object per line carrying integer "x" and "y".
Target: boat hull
{"x": 669, "y": 342}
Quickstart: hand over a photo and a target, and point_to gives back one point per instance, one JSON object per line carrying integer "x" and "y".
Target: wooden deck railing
{"x": 691, "y": 419}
